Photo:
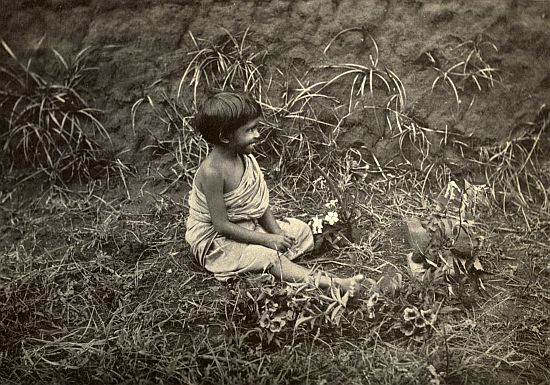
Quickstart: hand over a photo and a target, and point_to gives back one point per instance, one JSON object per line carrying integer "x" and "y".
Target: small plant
{"x": 415, "y": 320}
{"x": 229, "y": 65}
{"x": 471, "y": 67}
{"x": 48, "y": 121}
{"x": 445, "y": 241}
{"x": 284, "y": 311}
{"x": 367, "y": 78}
{"x": 327, "y": 227}
{"x": 397, "y": 306}
{"x": 513, "y": 168}
{"x": 333, "y": 225}
{"x": 186, "y": 145}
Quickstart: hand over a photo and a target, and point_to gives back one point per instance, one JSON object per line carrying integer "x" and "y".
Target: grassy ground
{"x": 95, "y": 291}
{"x": 98, "y": 286}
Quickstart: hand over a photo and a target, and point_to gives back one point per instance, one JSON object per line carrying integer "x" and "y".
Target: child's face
{"x": 245, "y": 137}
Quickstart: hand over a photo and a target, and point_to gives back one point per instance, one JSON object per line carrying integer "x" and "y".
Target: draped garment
{"x": 225, "y": 257}
{"x": 247, "y": 202}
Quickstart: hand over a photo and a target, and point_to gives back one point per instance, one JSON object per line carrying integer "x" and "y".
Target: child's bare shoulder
{"x": 209, "y": 173}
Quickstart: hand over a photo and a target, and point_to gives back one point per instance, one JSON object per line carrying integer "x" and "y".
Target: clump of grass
{"x": 180, "y": 139}
{"x": 231, "y": 64}
{"x": 49, "y": 123}
{"x": 513, "y": 168}
{"x": 466, "y": 65}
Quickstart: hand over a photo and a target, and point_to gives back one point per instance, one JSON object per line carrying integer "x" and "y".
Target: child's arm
{"x": 213, "y": 191}
{"x": 269, "y": 223}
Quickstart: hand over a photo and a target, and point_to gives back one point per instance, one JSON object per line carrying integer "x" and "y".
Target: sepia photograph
{"x": 264, "y": 192}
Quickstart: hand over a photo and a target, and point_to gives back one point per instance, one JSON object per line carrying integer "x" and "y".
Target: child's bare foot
{"x": 351, "y": 284}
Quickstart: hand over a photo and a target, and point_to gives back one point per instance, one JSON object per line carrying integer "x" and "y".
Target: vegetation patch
{"x": 46, "y": 120}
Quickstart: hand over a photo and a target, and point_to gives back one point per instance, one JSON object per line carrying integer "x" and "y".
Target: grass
{"x": 181, "y": 140}
{"x": 49, "y": 123}
{"x": 513, "y": 169}
{"x": 466, "y": 66}
{"x": 97, "y": 285}
{"x": 230, "y": 64}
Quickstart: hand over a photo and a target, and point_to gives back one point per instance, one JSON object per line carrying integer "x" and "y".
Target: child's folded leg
{"x": 229, "y": 258}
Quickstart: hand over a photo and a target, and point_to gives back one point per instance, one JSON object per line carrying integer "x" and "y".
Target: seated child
{"x": 231, "y": 228}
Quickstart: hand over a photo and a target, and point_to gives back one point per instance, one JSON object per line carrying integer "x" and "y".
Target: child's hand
{"x": 280, "y": 242}
{"x": 284, "y": 233}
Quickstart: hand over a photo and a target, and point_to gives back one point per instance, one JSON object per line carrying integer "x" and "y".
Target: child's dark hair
{"x": 223, "y": 113}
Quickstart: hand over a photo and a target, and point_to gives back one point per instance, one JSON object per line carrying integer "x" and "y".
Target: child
{"x": 231, "y": 228}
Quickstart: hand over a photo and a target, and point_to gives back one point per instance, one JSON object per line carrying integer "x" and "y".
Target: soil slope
{"x": 144, "y": 49}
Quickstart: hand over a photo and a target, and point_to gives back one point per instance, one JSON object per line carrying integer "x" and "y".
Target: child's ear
{"x": 224, "y": 137}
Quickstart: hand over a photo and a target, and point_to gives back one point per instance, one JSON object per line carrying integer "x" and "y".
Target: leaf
{"x": 345, "y": 299}
{"x": 331, "y": 306}
{"x": 448, "y": 309}
{"x": 338, "y": 295}
{"x": 336, "y": 313}
{"x": 8, "y": 50}
{"x": 416, "y": 268}
{"x": 430, "y": 262}
{"x": 477, "y": 265}
{"x": 481, "y": 285}
{"x": 301, "y": 319}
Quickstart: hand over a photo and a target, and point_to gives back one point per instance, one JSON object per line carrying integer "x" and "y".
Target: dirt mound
{"x": 145, "y": 45}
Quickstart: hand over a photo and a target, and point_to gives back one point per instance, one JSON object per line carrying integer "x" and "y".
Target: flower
{"x": 271, "y": 305}
{"x": 264, "y": 320}
{"x": 420, "y": 322}
{"x": 331, "y": 217}
{"x": 290, "y": 315}
{"x": 331, "y": 203}
{"x": 371, "y": 314}
{"x": 429, "y": 316}
{"x": 277, "y": 323}
{"x": 410, "y": 313}
{"x": 316, "y": 225}
{"x": 407, "y": 328}
{"x": 373, "y": 299}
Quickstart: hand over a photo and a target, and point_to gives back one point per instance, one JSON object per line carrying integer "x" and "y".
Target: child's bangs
{"x": 243, "y": 108}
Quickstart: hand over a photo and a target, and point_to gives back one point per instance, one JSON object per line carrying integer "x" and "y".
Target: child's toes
{"x": 355, "y": 285}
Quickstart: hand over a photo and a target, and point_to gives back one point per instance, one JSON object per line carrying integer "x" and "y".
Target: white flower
{"x": 331, "y": 217}
{"x": 331, "y": 203}
{"x": 316, "y": 225}
{"x": 411, "y": 313}
{"x": 373, "y": 300}
{"x": 407, "y": 328}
